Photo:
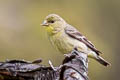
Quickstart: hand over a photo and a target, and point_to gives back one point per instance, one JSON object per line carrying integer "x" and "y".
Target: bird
{"x": 64, "y": 37}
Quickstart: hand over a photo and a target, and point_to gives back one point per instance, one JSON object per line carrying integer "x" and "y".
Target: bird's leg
{"x": 73, "y": 52}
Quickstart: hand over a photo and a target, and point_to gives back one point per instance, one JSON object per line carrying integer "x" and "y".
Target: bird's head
{"x": 53, "y": 23}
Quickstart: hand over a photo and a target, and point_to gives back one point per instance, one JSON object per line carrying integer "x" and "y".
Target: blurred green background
{"x": 22, "y": 37}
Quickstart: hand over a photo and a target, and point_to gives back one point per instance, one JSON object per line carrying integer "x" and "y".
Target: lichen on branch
{"x": 74, "y": 67}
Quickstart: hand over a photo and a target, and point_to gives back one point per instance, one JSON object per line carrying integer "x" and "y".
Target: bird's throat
{"x": 50, "y": 30}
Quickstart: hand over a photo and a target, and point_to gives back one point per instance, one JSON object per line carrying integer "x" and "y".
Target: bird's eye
{"x": 51, "y": 21}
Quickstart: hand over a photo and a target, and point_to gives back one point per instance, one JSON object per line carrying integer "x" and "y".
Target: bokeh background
{"x": 22, "y": 37}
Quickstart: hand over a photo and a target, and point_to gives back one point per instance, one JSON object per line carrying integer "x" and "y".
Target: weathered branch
{"x": 74, "y": 67}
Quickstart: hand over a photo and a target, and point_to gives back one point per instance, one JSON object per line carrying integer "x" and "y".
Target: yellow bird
{"x": 66, "y": 37}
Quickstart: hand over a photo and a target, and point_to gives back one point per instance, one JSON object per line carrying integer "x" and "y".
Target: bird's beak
{"x": 44, "y": 23}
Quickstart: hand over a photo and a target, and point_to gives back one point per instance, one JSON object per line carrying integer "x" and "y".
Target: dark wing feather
{"x": 74, "y": 33}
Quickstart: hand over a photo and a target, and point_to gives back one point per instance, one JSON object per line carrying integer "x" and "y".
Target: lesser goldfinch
{"x": 66, "y": 37}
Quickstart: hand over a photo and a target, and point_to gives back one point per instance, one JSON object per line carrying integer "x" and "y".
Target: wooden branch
{"x": 74, "y": 67}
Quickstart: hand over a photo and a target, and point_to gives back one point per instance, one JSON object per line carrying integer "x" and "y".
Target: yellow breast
{"x": 65, "y": 44}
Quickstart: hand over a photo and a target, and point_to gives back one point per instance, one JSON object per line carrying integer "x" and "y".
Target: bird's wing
{"x": 74, "y": 33}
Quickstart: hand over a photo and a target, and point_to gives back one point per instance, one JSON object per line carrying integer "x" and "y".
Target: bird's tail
{"x": 102, "y": 61}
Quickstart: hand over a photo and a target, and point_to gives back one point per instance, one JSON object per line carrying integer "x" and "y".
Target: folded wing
{"x": 74, "y": 33}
